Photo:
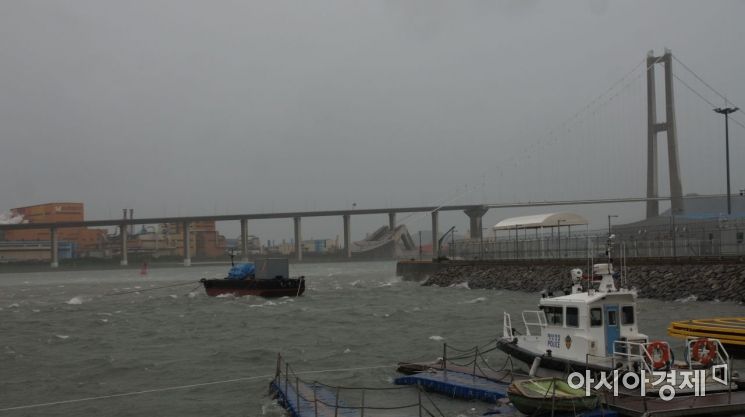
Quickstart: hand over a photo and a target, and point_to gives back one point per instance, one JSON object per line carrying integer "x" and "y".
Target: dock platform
{"x": 309, "y": 399}
{"x": 457, "y": 385}
{"x": 729, "y": 330}
{"x": 711, "y": 404}
{"x": 314, "y": 399}
{"x": 469, "y": 387}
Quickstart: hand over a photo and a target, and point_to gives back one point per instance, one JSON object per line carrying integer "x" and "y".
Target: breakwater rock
{"x": 724, "y": 282}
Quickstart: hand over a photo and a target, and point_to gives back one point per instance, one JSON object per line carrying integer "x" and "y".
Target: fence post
{"x": 336, "y": 404}
{"x": 277, "y": 371}
{"x": 315, "y": 400}
{"x": 475, "y": 358}
{"x": 445, "y": 356}
{"x": 419, "y": 398}
{"x": 362, "y": 410}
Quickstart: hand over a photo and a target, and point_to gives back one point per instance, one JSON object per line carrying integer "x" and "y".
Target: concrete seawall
{"x": 661, "y": 278}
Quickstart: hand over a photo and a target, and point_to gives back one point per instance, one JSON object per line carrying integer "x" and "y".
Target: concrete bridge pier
{"x": 475, "y": 215}
{"x": 187, "y": 243}
{"x": 392, "y": 220}
{"x": 298, "y": 239}
{"x": 54, "y": 248}
{"x": 244, "y": 240}
{"x": 347, "y": 236}
{"x": 123, "y": 235}
{"x": 435, "y": 235}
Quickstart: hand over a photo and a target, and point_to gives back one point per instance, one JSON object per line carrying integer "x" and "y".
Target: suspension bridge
{"x": 606, "y": 149}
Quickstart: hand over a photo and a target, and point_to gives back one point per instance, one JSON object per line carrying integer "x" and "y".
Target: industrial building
{"x": 167, "y": 239}
{"x": 29, "y": 245}
{"x": 34, "y": 244}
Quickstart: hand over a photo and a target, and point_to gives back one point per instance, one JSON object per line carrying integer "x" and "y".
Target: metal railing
{"x": 304, "y": 398}
{"x": 535, "y": 318}
{"x": 580, "y": 246}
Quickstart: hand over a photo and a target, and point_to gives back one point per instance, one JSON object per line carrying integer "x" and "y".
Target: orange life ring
{"x": 664, "y": 360}
{"x": 711, "y": 351}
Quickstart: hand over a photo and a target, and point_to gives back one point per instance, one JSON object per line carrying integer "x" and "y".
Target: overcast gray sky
{"x": 201, "y": 107}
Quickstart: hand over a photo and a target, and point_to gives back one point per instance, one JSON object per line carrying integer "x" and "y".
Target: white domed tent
{"x": 537, "y": 221}
{"x": 539, "y": 247}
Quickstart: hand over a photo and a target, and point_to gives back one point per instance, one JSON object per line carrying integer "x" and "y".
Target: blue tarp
{"x": 241, "y": 271}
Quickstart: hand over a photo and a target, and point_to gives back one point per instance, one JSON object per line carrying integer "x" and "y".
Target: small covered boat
{"x": 266, "y": 278}
{"x": 546, "y": 395}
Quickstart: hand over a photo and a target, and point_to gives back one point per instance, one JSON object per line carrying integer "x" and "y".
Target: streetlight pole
{"x": 610, "y": 216}
{"x": 726, "y": 111}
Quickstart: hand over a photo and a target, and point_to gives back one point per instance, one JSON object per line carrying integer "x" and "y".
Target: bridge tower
{"x": 669, "y": 127}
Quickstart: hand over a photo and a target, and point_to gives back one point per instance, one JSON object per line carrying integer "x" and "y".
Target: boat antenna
{"x": 232, "y": 255}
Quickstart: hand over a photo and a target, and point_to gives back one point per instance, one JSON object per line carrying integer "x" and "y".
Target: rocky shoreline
{"x": 707, "y": 282}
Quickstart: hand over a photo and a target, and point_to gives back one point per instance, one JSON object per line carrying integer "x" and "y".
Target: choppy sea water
{"x": 62, "y": 337}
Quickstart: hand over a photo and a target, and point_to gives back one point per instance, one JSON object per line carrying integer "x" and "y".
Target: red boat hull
{"x": 284, "y": 287}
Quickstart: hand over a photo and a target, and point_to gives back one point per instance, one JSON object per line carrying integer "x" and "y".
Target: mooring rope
{"x": 180, "y": 387}
{"x": 152, "y": 288}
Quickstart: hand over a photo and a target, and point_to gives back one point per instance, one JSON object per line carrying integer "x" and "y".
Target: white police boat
{"x": 594, "y": 330}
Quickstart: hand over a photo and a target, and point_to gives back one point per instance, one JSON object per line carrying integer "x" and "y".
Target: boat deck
{"x": 729, "y": 330}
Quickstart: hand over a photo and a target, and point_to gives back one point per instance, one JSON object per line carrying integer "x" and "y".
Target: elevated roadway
{"x": 474, "y": 211}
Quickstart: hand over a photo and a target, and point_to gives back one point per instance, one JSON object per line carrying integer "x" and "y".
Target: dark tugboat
{"x": 265, "y": 278}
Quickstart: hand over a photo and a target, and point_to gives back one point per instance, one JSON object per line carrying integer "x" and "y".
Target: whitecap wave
{"x": 690, "y": 298}
{"x": 394, "y": 279}
{"x": 174, "y": 296}
{"x": 463, "y": 285}
{"x": 14, "y": 305}
{"x": 62, "y": 336}
{"x": 475, "y": 300}
{"x": 77, "y": 300}
{"x": 436, "y": 338}
{"x": 347, "y": 350}
{"x": 225, "y": 295}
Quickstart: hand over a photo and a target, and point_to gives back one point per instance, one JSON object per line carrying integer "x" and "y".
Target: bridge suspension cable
{"x": 722, "y": 96}
{"x": 701, "y": 96}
